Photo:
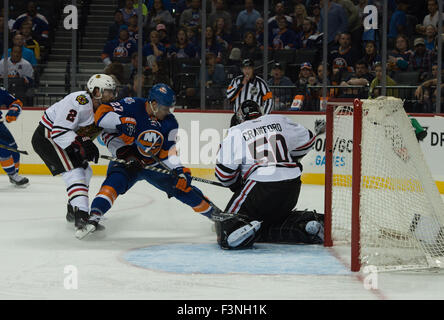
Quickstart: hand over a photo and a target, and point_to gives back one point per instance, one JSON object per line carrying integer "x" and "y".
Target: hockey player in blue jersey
{"x": 9, "y": 160}
{"x": 134, "y": 128}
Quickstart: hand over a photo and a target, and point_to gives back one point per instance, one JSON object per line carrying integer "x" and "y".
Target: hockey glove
{"x": 12, "y": 114}
{"x": 82, "y": 149}
{"x": 127, "y": 129}
{"x": 129, "y": 154}
{"x": 183, "y": 179}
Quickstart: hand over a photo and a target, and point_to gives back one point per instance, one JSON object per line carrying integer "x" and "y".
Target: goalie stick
{"x": 2, "y": 146}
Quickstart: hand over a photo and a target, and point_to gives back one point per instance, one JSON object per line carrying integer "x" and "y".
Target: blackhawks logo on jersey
{"x": 149, "y": 141}
{"x": 82, "y": 100}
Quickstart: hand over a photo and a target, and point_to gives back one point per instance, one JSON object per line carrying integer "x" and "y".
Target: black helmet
{"x": 248, "y": 110}
{"x": 247, "y": 63}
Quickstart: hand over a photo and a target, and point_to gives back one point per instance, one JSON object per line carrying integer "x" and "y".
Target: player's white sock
{"x": 238, "y": 236}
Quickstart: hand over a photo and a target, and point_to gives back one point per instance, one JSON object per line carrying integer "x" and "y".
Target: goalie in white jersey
{"x": 64, "y": 141}
{"x": 259, "y": 161}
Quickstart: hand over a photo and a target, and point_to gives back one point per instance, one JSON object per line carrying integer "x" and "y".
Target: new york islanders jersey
{"x": 157, "y": 136}
{"x": 8, "y": 100}
{"x": 65, "y": 117}
{"x": 263, "y": 149}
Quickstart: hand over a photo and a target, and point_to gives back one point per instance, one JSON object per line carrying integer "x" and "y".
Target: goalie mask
{"x": 249, "y": 110}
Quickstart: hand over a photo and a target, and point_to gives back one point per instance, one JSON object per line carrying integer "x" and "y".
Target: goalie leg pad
{"x": 299, "y": 227}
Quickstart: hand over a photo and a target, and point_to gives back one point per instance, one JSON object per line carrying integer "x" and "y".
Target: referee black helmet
{"x": 249, "y": 110}
{"x": 247, "y": 63}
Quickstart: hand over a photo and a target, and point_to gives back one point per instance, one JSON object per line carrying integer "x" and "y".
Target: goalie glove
{"x": 183, "y": 179}
{"x": 12, "y": 114}
{"x": 319, "y": 126}
{"x": 82, "y": 149}
{"x": 127, "y": 129}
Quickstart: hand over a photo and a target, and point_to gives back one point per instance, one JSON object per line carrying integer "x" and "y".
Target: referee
{"x": 248, "y": 86}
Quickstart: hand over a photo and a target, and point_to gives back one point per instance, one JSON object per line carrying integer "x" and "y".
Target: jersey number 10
{"x": 271, "y": 150}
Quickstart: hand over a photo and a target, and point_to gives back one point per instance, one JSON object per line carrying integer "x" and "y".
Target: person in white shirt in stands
{"x": 431, "y": 18}
{"x": 18, "y": 67}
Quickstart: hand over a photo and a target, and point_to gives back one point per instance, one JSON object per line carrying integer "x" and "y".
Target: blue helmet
{"x": 162, "y": 94}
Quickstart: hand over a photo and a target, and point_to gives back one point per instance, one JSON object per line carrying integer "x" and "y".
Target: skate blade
{"x": 83, "y": 232}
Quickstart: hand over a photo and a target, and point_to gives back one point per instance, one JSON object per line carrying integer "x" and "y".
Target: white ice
{"x": 37, "y": 244}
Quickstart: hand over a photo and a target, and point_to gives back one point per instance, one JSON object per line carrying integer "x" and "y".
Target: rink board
{"x": 201, "y": 132}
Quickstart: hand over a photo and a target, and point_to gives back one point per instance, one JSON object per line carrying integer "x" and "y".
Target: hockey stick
{"x": 161, "y": 170}
{"x": 219, "y": 215}
{"x": 2, "y": 146}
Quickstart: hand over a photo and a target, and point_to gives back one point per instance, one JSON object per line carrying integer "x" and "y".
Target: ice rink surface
{"x": 155, "y": 248}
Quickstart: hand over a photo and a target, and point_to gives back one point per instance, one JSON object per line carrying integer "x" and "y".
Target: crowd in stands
{"x": 30, "y": 35}
{"x": 172, "y": 46}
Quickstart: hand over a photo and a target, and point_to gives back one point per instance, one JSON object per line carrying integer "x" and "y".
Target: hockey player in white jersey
{"x": 64, "y": 141}
{"x": 259, "y": 161}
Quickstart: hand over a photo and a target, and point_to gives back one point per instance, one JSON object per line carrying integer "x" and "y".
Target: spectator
{"x": 165, "y": 3}
{"x": 285, "y": 38}
{"x": 399, "y": 58}
{"x": 18, "y": 67}
{"x": 432, "y": 18}
{"x": 119, "y": 49}
{"x": 133, "y": 28}
{"x": 354, "y": 22}
{"x": 377, "y": 81}
{"x": 223, "y": 35}
{"x": 246, "y": 19}
{"x": 154, "y": 47}
{"x": 159, "y": 15}
{"x": 221, "y": 13}
{"x": 282, "y": 96}
{"x": 430, "y": 37}
{"x": 163, "y": 36}
{"x": 371, "y": 55}
{"x": 182, "y": 48}
{"x": 337, "y": 21}
{"x": 182, "y": 5}
{"x": 249, "y": 48}
{"x": 320, "y": 74}
{"x": 30, "y": 43}
{"x": 398, "y": 21}
{"x": 260, "y": 33}
{"x": 144, "y": 10}
{"x": 345, "y": 56}
{"x": 361, "y": 76}
{"x": 212, "y": 45}
{"x": 191, "y": 17}
{"x": 426, "y": 92}
{"x": 116, "y": 70}
{"x": 156, "y": 72}
{"x": 130, "y": 90}
{"x": 304, "y": 38}
{"x": 113, "y": 30}
{"x": 40, "y": 25}
{"x": 128, "y": 11}
{"x": 273, "y": 21}
{"x": 298, "y": 16}
{"x": 305, "y": 73}
{"x": 27, "y": 54}
{"x": 134, "y": 66}
{"x": 215, "y": 72}
{"x": 316, "y": 15}
{"x": 421, "y": 59}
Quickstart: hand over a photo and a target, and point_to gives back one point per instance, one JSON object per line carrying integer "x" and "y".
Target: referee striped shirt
{"x": 255, "y": 89}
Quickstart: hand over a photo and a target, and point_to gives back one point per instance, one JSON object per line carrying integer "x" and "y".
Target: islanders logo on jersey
{"x": 149, "y": 141}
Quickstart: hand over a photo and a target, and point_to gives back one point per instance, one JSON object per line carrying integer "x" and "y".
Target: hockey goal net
{"x": 380, "y": 196}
